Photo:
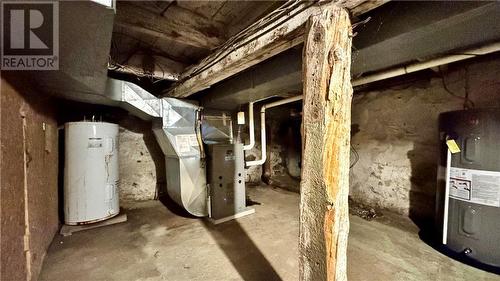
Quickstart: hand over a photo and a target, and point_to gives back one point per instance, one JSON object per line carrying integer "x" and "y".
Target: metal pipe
{"x": 250, "y": 127}
{"x": 487, "y": 49}
{"x": 263, "y": 128}
{"x": 446, "y": 196}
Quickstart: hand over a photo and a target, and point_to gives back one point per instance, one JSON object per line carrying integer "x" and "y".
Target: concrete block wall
{"x": 396, "y": 135}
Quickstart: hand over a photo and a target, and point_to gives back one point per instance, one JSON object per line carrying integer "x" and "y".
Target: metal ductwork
{"x": 85, "y": 31}
{"x": 176, "y": 128}
{"x": 179, "y": 138}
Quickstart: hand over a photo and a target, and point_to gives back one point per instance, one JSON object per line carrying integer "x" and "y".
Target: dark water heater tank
{"x": 468, "y": 196}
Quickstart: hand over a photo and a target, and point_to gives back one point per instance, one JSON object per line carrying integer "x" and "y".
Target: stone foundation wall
{"x": 395, "y": 133}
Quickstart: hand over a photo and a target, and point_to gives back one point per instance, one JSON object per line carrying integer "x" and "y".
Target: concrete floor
{"x": 156, "y": 244}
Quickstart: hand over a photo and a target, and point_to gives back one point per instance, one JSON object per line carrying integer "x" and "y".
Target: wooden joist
{"x": 277, "y": 36}
{"x": 366, "y": 6}
{"x": 136, "y": 18}
{"x": 324, "y": 221}
{"x": 285, "y": 31}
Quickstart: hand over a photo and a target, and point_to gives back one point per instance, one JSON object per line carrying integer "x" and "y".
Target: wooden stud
{"x": 324, "y": 215}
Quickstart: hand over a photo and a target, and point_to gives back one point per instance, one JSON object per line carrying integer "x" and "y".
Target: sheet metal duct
{"x": 178, "y": 136}
{"x": 217, "y": 128}
{"x": 133, "y": 98}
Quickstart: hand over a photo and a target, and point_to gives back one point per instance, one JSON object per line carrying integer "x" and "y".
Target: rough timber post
{"x": 324, "y": 221}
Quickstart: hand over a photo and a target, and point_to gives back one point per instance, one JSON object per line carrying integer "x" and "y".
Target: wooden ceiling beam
{"x": 265, "y": 42}
{"x": 137, "y": 18}
{"x": 283, "y": 32}
{"x": 366, "y": 7}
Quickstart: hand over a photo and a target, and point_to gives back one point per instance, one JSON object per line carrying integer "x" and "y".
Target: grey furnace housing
{"x": 226, "y": 179}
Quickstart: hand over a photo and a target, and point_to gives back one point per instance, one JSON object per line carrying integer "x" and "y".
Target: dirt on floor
{"x": 158, "y": 244}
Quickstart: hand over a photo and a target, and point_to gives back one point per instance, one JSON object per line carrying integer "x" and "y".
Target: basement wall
{"x": 29, "y": 191}
{"x": 142, "y": 163}
{"x": 395, "y": 132}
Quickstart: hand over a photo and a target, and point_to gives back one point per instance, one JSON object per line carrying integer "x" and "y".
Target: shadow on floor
{"x": 173, "y": 207}
{"x": 461, "y": 257}
{"x": 245, "y": 256}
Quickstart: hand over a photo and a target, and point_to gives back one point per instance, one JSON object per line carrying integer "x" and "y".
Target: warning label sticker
{"x": 475, "y": 186}
{"x": 193, "y": 141}
{"x": 184, "y": 142}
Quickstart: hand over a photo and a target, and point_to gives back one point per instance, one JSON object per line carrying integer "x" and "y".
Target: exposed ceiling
{"x": 145, "y": 40}
{"x": 407, "y": 31}
{"x": 398, "y": 33}
{"x": 162, "y": 38}
{"x": 158, "y": 41}
{"x": 165, "y": 38}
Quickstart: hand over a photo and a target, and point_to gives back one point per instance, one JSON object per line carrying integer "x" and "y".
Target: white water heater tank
{"x": 90, "y": 172}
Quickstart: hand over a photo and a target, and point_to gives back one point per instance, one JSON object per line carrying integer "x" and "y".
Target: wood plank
{"x": 366, "y": 6}
{"x": 207, "y": 9}
{"x": 156, "y": 7}
{"x": 324, "y": 221}
{"x": 136, "y": 18}
{"x": 67, "y": 230}
{"x": 240, "y": 14}
{"x": 276, "y": 37}
{"x": 285, "y": 31}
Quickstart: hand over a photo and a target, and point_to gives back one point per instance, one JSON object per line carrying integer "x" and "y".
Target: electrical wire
{"x": 113, "y": 65}
{"x": 468, "y": 103}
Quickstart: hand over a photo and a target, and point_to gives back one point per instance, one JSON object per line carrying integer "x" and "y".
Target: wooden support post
{"x": 324, "y": 214}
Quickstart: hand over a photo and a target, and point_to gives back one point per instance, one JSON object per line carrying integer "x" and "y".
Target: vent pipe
{"x": 413, "y": 67}
{"x": 250, "y": 127}
{"x": 263, "y": 127}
